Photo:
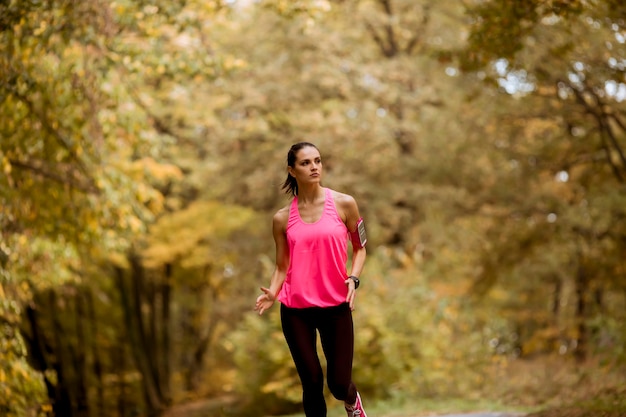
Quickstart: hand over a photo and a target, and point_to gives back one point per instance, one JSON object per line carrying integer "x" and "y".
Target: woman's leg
{"x": 301, "y": 336}
{"x": 337, "y": 336}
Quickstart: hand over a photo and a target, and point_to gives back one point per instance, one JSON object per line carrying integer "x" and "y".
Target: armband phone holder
{"x": 359, "y": 237}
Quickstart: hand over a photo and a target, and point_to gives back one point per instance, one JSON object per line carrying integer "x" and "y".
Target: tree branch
{"x": 73, "y": 179}
{"x": 600, "y": 118}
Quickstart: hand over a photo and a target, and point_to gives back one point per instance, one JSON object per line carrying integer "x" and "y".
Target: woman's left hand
{"x": 351, "y": 293}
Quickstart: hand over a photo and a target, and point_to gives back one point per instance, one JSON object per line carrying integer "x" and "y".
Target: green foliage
{"x": 143, "y": 148}
{"x": 195, "y": 236}
{"x": 501, "y": 29}
{"x": 22, "y": 389}
{"x": 72, "y": 188}
{"x": 568, "y": 154}
{"x": 270, "y": 381}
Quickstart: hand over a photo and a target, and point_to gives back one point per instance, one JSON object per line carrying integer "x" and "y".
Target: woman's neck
{"x": 307, "y": 195}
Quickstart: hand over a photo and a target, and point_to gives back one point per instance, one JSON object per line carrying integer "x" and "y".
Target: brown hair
{"x": 291, "y": 185}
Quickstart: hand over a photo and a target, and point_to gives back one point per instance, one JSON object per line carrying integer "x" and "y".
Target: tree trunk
{"x": 581, "y": 286}
{"x": 556, "y": 299}
{"x": 205, "y": 342}
{"x": 62, "y": 405}
{"x": 137, "y": 337}
{"x": 80, "y": 360}
{"x": 37, "y": 348}
{"x": 166, "y": 369}
{"x": 120, "y": 359}
{"x": 97, "y": 363}
{"x": 192, "y": 378}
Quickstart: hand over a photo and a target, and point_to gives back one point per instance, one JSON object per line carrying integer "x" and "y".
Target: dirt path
{"x": 482, "y": 415}
{"x": 200, "y": 408}
{"x": 212, "y": 407}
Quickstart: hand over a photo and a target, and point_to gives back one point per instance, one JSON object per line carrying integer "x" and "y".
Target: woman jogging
{"x": 313, "y": 283}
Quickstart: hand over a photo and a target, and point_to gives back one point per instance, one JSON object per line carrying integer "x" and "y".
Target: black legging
{"x": 337, "y": 335}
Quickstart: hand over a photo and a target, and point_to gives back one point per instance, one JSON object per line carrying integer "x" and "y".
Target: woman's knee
{"x": 340, "y": 389}
{"x": 313, "y": 381}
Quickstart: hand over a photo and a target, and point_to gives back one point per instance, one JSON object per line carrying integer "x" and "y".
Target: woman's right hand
{"x": 264, "y": 301}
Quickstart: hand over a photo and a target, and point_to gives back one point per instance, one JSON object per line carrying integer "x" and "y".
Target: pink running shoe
{"x": 356, "y": 410}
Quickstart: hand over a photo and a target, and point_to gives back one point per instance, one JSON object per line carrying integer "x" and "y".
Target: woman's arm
{"x": 266, "y": 300}
{"x": 351, "y": 216}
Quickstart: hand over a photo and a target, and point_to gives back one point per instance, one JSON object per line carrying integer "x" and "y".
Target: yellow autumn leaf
{"x": 6, "y": 165}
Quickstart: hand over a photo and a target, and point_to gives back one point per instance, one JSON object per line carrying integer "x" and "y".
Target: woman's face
{"x": 308, "y": 166}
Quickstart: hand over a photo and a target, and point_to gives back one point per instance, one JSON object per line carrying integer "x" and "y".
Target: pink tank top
{"x": 318, "y": 255}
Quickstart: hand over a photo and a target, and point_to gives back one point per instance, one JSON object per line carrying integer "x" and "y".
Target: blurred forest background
{"x": 143, "y": 149}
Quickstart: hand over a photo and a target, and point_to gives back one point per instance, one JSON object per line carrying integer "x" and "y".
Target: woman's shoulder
{"x": 282, "y": 215}
{"x": 343, "y": 199}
